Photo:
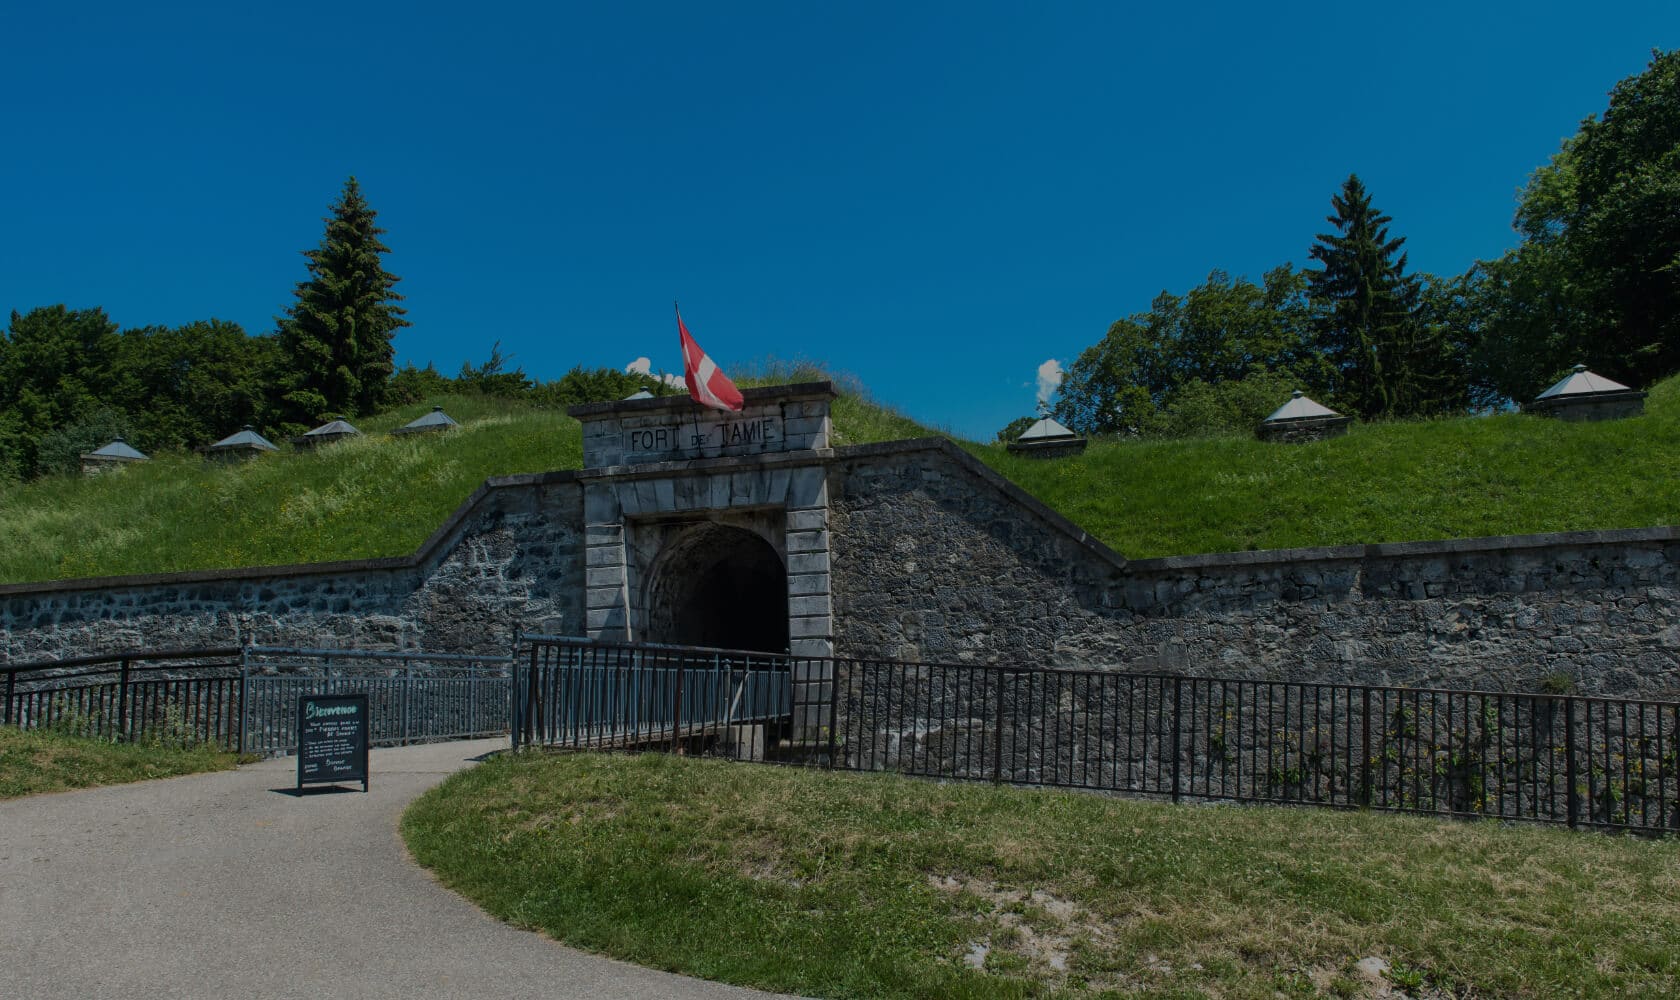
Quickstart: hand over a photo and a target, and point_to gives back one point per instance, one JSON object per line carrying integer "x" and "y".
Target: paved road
{"x": 225, "y": 885}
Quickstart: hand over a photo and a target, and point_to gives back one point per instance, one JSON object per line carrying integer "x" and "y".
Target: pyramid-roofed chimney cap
{"x": 246, "y": 438}
{"x": 335, "y": 427}
{"x": 1300, "y": 407}
{"x": 119, "y": 450}
{"x": 1581, "y": 382}
{"x": 1046, "y": 429}
{"x": 437, "y": 420}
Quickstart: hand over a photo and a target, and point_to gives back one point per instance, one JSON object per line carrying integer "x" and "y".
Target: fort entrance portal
{"x": 716, "y": 584}
{"x": 710, "y": 528}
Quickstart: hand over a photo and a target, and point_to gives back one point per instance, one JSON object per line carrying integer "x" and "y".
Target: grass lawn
{"x": 367, "y": 497}
{"x": 36, "y": 761}
{"x": 1465, "y": 477}
{"x": 383, "y": 496}
{"x": 840, "y": 885}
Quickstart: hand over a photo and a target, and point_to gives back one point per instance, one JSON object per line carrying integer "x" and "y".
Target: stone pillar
{"x": 606, "y": 599}
{"x": 810, "y": 606}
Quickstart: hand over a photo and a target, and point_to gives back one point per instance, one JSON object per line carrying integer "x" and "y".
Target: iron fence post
{"x": 11, "y": 692}
{"x": 997, "y": 734}
{"x": 244, "y": 694}
{"x": 122, "y": 701}
{"x": 1178, "y": 721}
{"x": 513, "y": 696}
{"x": 1365, "y": 750}
{"x": 833, "y": 714}
{"x": 676, "y": 708}
{"x": 407, "y": 692}
{"x": 1569, "y": 759}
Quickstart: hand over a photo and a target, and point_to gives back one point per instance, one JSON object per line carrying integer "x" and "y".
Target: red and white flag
{"x": 706, "y": 384}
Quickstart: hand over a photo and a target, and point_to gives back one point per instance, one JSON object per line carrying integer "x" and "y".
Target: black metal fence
{"x": 413, "y": 696}
{"x": 183, "y": 695}
{"x": 245, "y": 699}
{"x": 1585, "y": 762}
{"x": 580, "y": 694}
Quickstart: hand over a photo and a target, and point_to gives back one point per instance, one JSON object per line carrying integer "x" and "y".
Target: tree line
{"x": 1594, "y": 279}
{"x": 71, "y": 380}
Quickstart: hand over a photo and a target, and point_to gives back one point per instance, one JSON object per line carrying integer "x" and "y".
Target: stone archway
{"x": 718, "y": 585}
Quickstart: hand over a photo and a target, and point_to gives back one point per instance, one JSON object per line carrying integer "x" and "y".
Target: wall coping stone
{"x": 1394, "y": 550}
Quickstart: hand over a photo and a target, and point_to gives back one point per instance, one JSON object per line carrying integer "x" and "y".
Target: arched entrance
{"x": 719, "y": 585}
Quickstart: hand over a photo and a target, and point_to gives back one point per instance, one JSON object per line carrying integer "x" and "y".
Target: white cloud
{"x": 1049, "y": 378}
{"x": 644, "y": 366}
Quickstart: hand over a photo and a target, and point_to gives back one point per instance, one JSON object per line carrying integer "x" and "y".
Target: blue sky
{"x": 935, "y": 198}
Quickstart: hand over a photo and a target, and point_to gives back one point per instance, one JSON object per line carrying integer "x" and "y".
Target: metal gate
{"x": 573, "y": 693}
{"x": 413, "y": 697}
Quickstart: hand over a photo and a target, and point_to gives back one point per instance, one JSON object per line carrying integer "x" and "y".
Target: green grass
{"x": 373, "y": 496}
{"x": 1385, "y": 482}
{"x": 36, "y": 761}
{"x": 382, "y": 496}
{"x": 838, "y": 885}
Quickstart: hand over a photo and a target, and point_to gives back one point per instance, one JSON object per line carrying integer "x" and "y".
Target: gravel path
{"x": 227, "y": 885}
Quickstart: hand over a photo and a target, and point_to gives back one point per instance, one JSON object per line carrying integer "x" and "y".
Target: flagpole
{"x": 699, "y": 443}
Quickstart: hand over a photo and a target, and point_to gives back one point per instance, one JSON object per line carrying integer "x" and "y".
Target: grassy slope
{"x": 1501, "y": 475}
{"x": 381, "y": 496}
{"x": 377, "y": 496}
{"x": 36, "y": 761}
{"x": 873, "y": 885}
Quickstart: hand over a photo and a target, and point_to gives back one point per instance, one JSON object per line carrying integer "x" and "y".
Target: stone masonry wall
{"x": 935, "y": 558}
{"x": 932, "y": 556}
{"x": 511, "y": 559}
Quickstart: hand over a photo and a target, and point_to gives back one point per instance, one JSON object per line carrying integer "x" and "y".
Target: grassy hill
{"x": 381, "y": 496}
{"x": 1406, "y": 481}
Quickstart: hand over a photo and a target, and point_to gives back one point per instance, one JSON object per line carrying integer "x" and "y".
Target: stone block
{"x": 807, "y": 541}
{"x": 813, "y": 670}
{"x": 807, "y": 520}
{"x": 808, "y": 487}
{"x": 604, "y": 576}
{"x": 807, "y": 562}
{"x": 600, "y": 505}
{"x": 776, "y": 486}
{"x": 603, "y": 534}
{"x": 817, "y": 604}
{"x": 802, "y": 628}
{"x": 801, "y": 584}
{"x": 809, "y": 426}
{"x": 811, "y": 646}
{"x": 597, "y": 619}
{"x": 718, "y": 491}
{"x": 603, "y": 555}
{"x": 604, "y": 597}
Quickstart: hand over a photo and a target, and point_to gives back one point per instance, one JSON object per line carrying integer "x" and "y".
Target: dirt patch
{"x": 1026, "y": 930}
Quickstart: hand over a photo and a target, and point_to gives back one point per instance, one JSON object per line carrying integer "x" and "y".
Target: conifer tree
{"x": 1388, "y": 362}
{"x": 336, "y": 338}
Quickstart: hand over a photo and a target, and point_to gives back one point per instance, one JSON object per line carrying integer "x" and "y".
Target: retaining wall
{"x": 933, "y": 556}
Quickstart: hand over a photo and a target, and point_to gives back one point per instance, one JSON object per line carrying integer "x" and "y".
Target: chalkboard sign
{"x": 332, "y": 739}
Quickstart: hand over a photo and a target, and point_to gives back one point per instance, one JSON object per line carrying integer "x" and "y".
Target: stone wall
{"x": 921, "y": 552}
{"x": 936, "y": 558}
{"x": 509, "y": 558}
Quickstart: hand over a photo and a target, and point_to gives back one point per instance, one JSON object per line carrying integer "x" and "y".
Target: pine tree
{"x": 336, "y": 338}
{"x": 1388, "y": 362}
